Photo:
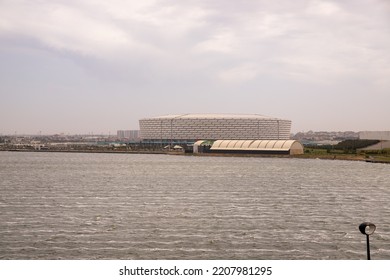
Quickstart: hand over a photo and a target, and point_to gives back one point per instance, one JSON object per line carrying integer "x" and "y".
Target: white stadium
{"x": 188, "y": 128}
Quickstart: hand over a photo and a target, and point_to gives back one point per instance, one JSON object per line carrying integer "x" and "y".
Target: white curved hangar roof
{"x": 270, "y": 146}
{"x": 213, "y": 126}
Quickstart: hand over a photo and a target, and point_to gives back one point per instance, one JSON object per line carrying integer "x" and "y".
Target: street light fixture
{"x": 367, "y": 229}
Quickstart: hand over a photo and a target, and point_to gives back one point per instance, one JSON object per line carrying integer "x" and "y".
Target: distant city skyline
{"x": 93, "y": 67}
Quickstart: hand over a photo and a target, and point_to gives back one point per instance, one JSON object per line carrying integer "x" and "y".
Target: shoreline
{"x": 84, "y": 151}
{"x": 346, "y": 157}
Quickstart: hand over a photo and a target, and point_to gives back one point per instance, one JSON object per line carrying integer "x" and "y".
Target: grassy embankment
{"x": 347, "y": 150}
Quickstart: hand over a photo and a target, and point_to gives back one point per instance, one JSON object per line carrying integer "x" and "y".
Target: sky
{"x": 94, "y": 66}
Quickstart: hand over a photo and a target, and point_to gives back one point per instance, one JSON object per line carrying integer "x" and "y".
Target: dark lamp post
{"x": 367, "y": 229}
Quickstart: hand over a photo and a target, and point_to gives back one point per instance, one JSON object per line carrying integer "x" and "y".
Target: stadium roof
{"x": 213, "y": 116}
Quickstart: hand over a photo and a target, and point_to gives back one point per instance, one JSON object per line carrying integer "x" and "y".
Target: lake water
{"x": 129, "y": 206}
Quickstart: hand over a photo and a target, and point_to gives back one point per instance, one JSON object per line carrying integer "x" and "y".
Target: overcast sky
{"x": 94, "y": 66}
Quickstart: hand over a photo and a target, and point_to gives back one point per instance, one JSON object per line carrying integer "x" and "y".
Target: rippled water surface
{"x": 124, "y": 206}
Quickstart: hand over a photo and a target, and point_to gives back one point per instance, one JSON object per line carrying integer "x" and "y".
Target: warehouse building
{"x": 188, "y": 128}
{"x": 375, "y": 135}
{"x": 383, "y": 138}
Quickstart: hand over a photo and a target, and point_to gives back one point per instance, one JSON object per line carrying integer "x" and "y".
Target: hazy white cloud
{"x": 86, "y": 29}
{"x": 223, "y": 41}
{"x": 239, "y": 74}
{"x": 159, "y": 50}
{"x": 323, "y": 8}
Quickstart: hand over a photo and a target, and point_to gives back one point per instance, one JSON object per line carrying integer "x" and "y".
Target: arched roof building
{"x": 289, "y": 147}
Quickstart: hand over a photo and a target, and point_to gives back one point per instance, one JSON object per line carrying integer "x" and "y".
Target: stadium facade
{"x": 188, "y": 128}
